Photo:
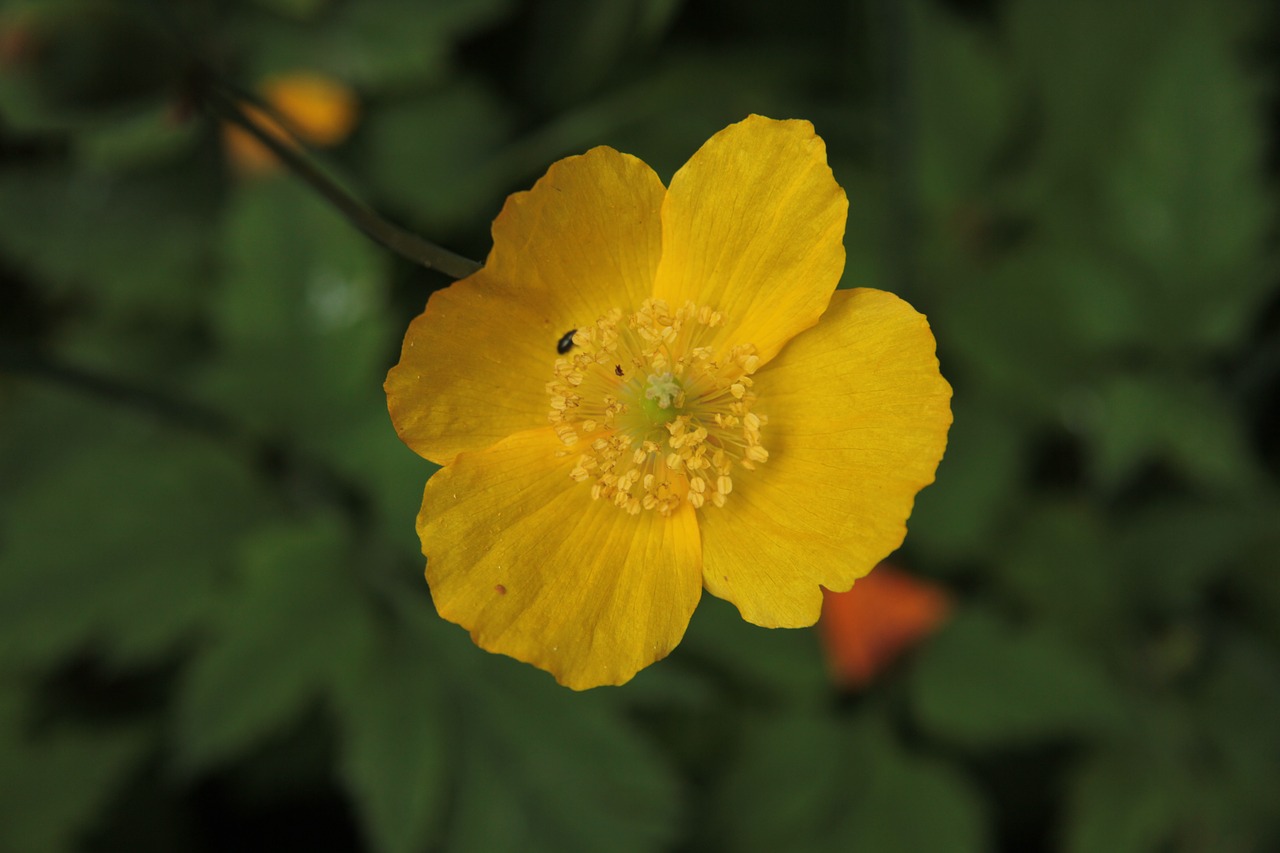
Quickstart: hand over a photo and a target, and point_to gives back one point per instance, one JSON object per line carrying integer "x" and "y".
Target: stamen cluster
{"x": 655, "y": 412}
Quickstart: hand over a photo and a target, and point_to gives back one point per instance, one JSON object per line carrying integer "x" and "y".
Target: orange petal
{"x": 475, "y": 364}
{"x": 884, "y": 615}
{"x": 524, "y": 558}
{"x": 320, "y": 109}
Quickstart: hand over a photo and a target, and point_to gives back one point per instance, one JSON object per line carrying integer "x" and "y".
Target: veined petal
{"x": 858, "y": 419}
{"x": 526, "y": 560}
{"x": 589, "y": 234}
{"x": 473, "y": 369}
{"x": 753, "y": 225}
{"x": 475, "y": 363}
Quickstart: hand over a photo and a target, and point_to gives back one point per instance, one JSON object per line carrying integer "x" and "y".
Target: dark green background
{"x": 214, "y": 634}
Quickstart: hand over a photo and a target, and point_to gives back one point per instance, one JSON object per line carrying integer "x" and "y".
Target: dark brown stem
{"x": 396, "y": 239}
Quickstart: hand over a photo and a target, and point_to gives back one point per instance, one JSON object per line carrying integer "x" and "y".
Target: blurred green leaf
{"x": 1005, "y": 326}
{"x": 292, "y": 625}
{"x": 136, "y": 139}
{"x": 1198, "y": 775}
{"x": 433, "y": 155}
{"x": 1062, "y": 568}
{"x": 120, "y": 542}
{"x": 300, "y": 9}
{"x": 63, "y": 68}
{"x": 1084, "y": 104}
{"x": 793, "y": 781}
{"x": 962, "y": 107}
{"x": 981, "y": 683}
{"x": 1188, "y": 424}
{"x": 1256, "y": 584}
{"x": 396, "y": 743}
{"x": 812, "y": 783}
{"x": 296, "y": 269}
{"x": 577, "y": 46}
{"x": 1150, "y": 167}
{"x": 301, "y": 315}
{"x": 367, "y": 451}
{"x": 374, "y": 44}
{"x": 125, "y": 244}
{"x": 1123, "y": 802}
{"x": 961, "y": 514}
{"x": 782, "y": 661}
{"x": 1183, "y": 196}
{"x": 1175, "y": 550}
{"x": 1106, "y": 306}
{"x": 914, "y": 804}
{"x": 55, "y": 782}
{"x": 546, "y": 769}
{"x": 1239, "y": 703}
{"x": 866, "y": 232}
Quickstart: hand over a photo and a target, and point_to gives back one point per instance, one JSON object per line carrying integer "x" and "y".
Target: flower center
{"x": 656, "y": 416}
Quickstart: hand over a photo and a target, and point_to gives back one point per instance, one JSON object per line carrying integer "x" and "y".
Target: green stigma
{"x": 662, "y": 394}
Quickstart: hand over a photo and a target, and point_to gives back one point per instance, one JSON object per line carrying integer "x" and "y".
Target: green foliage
{"x": 388, "y": 44}
{"x": 394, "y": 731}
{"x": 80, "y": 232}
{"x": 964, "y": 107}
{"x": 1195, "y": 769}
{"x": 300, "y": 315}
{"x": 985, "y": 684}
{"x": 978, "y": 482}
{"x": 55, "y": 782}
{"x": 289, "y": 628}
{"x": 212, "y": 613}
{"x": 784, "y": 665}
{"x": 461, "y": 128}
{"x": 588, "y": 781}
{"x": 578, "y": 46}
{"x": 810, "y": 783}
{"x": 121, "y": 521}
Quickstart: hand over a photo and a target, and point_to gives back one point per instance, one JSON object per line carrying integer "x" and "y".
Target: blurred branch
{"x": 227, "y": 106}
{"x": 289, "y": 467}
{"x": 190, "y": 416}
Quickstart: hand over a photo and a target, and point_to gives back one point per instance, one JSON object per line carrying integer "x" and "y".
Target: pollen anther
{"x": 674, "y": 425}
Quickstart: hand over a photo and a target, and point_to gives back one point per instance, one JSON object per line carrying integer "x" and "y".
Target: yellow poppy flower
{"x": 647, "y": 391}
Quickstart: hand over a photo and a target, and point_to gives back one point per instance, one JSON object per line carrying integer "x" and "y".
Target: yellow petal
{"x": 526, "y": 560}
{"x": 474, "y": 365}
{"x": 858, "y": 419}
{"x": 753, "y": 226}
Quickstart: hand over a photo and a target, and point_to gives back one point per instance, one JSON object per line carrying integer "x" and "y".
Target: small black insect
{"x": 566, "y": 342}
{"x": 617, "y": 369}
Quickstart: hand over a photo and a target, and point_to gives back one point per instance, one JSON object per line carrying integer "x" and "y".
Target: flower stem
{"x": 292, "y": 470}
{"x": 403, "y": 243}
